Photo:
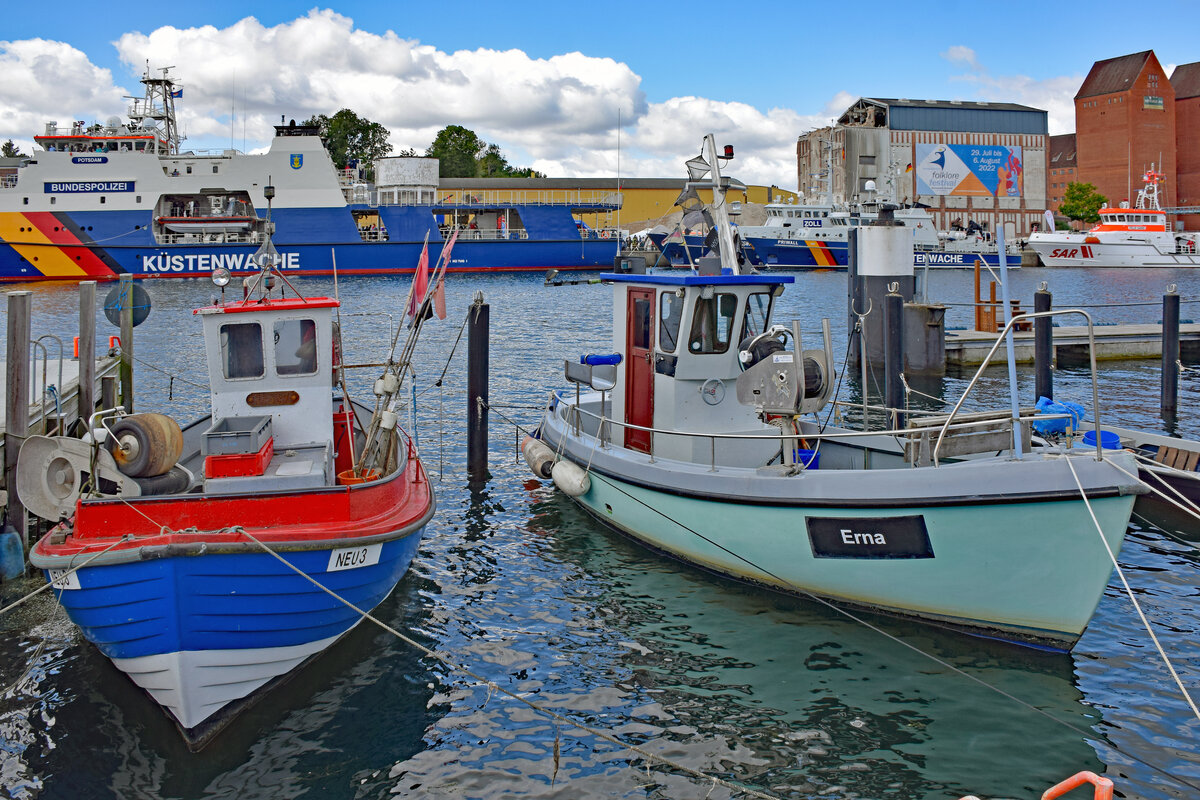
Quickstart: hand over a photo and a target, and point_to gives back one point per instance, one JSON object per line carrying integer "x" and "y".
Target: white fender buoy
{"x": 539, "y": 457}
{"x": 571, "y": 479}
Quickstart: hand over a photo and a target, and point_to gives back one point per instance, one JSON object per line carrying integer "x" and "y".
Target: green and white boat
{"x": 699, "y": 437}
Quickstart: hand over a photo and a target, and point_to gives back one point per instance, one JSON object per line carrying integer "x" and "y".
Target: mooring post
{"x": 126, "y": 288}
{"x": 87, "y": 349}
{"x": 893, "y": 352}
{"x": 108, "y": 394}
{"x": 16, "y": 402}
{"x": 1170, "y": 351}
{"x": 1043, "y": 345}
{"x": 478, "y": 318}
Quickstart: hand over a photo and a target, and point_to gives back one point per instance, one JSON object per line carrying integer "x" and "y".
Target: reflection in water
{"x": 517, "y": 584}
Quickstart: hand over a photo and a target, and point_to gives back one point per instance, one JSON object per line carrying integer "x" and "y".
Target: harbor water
{"x": 514, "y": 583}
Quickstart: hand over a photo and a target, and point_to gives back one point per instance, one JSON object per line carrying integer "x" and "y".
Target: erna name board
{"x": 83, "y": 187}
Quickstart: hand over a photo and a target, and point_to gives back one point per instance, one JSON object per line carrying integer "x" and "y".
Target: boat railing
{"x": 545, "y": 197}
{"x": 488, "y": 234}
{"x": 996, "y": 346}
{"x": 590, "y": 234}
{"x": 8, "y": 181}
{"x": 375, "y": 233}
{"x": 251, "y": 237}
{"x": 600, "y": 427}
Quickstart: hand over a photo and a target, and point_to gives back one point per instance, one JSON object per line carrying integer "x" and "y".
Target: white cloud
{"x": 959, "y": 54}
{"x": 1054, "y": 95}
{"x": 558, "y": 114}
{"x": 47, "y": 81}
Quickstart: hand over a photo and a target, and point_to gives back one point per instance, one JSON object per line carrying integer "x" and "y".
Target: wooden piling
{"x": 108, "y": 393}
{"x": 16, "y": 402}
{"x": 87, "y": 349}
{"x": 477, "y": 390}
{"x": 126, "y": 295}
{"x": 1170, "y": 352}
{"x": 1043, "y": 346}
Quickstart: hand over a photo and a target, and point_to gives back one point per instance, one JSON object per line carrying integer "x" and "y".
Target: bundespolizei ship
{"x": 99, "y": 201}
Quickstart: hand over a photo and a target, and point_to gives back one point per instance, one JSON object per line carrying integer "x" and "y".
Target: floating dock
{"x": 1113, "y": 342}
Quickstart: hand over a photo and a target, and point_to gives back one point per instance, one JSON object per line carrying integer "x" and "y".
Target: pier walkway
{"x": 1113, "y": 342}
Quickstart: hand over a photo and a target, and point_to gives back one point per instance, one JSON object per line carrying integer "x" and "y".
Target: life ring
{"x": 603, "y": 234}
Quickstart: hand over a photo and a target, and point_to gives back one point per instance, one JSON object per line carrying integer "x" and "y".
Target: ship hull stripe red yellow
{"x": 52, "y": 246}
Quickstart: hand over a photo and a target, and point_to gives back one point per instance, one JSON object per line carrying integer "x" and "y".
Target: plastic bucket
{"x": 1109, "y": 440}
{"x": 809, "y": 459}
{"x": 347, "y": 477}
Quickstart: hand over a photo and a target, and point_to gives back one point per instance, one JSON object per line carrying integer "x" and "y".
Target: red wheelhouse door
{"x": 639, "y": 367}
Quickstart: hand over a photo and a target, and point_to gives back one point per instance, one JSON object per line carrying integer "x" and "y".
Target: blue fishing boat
{"x": 207, "y": 563}
{"x": 699, "y": 435}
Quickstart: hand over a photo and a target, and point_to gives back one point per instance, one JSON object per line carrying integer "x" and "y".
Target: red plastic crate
{"x": 240, "y": 465}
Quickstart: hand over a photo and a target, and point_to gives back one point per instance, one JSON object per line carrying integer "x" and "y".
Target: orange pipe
{"x": 1103, "y": 786}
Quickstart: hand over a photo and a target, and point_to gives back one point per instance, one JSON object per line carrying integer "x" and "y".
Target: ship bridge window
{"x": 758, "y": 311}
{"x": 242, "y": 350}
{"x": 296, "y": 347}
{"x": 712, "y": 323}
{"x": 670, "y": 315}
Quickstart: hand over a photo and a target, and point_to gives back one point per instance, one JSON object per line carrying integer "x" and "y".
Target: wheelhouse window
{"x": 296, "y": 347}
{"x": 242, "y": 350}
{"x": 643, "y": 311}
{"x": 670, "y": 315}
{"x": 758, "y": 311}
{"x": 712, "y": 323}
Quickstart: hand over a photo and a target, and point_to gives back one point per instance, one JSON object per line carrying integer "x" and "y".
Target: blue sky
{"x": 759, "y": 74}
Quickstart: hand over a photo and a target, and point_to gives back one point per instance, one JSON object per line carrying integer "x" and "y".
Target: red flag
{"x": 449, "y": 246}
{"x": 420, "y": 281}
{"x": 439, "y": 298}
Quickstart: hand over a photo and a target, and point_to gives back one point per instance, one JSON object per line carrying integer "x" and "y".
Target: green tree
{"x": 349, "y": 137}
{"x": 10, "y": 150}
{"x": 1081, "y": 201}
{"x": 462, "y": 154}
{"x": 458, "y": 151}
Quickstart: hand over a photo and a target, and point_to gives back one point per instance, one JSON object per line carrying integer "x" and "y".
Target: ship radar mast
{"x": 1148, "y": 195}
{"x": 156, "y": 110}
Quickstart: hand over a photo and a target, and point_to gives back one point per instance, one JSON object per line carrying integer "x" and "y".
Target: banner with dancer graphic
{"x": 969, "y": 170}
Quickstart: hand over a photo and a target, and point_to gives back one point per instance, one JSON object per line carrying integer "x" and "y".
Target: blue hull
{"x": 104, "y": 245}
{"x": 226, "y": 601}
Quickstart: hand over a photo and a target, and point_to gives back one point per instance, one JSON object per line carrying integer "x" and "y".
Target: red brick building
{"x": 1060, "y": 168}
{"x": 1185, "y": 81}
{"x": 1124, "y": 122}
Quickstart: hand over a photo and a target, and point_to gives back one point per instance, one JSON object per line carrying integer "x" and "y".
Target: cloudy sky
{"x": 549, "y": 81}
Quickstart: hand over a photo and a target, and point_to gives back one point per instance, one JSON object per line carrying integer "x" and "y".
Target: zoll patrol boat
{"x": 816, "y": 236}
{"x": 700, "y": 436}
{"x": 1124, "y": 237}
{"x": 207, "y": 563}
{"x": 104, "y": 200}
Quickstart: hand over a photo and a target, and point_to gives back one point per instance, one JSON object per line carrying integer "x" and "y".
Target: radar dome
{"x": 113, "y": 122}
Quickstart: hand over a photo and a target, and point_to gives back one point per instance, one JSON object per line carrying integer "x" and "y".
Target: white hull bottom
{"x": 195, "y": 684}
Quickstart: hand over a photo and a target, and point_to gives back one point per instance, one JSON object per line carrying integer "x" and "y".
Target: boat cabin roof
{"x": 698, "y": 280}
{"x": 288, "y": 304}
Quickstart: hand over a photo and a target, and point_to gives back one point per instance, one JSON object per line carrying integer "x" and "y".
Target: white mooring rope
{"x": 1128, "y": 591}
